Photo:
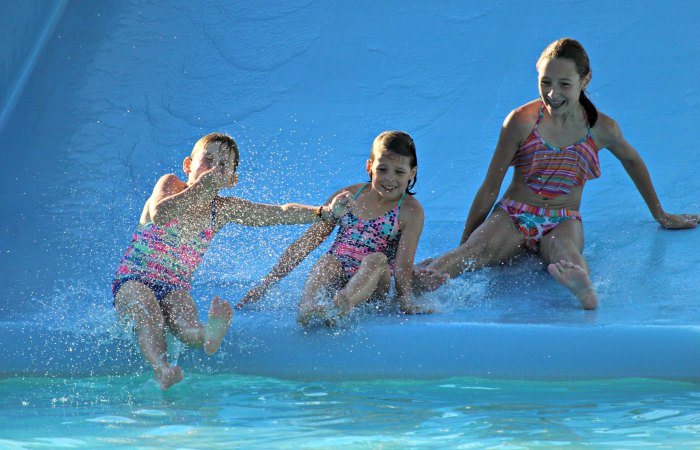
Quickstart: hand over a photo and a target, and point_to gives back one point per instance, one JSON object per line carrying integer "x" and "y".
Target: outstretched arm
{"x": 514, "y": 128}
{"x": 293, "y": 255}
{"x": 291, "y": 258}
{"x": 245, "y": 212}
{"x": 612, "y": 138}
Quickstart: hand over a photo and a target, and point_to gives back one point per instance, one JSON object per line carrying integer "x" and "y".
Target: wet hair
{"x": 225, "y": 142}
{"x": 400, "y": 143}
{"x": 572, "y": 49}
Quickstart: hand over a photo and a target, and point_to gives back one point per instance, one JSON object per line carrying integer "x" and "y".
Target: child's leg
{"x": 495, "y": 241}
{"x": 373, "y": 275}
{"x": 135, "y": 302}
{"x": 561, "y": 249}
{"x": 326, "y": 273}
{"x": 182, "y": 318}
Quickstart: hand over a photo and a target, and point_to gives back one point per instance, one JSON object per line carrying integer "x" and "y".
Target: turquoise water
{"x": 100, "y": 112}
{"x": 229, "y": 411}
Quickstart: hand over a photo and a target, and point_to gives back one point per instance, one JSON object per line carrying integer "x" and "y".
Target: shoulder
{"x": 606, "y": 131}
{"x": 411, "y": 208}
{"x": 411, "y": 219}
{"x": 524, "y": 116}
{"x": 169, "y": 178}
{"x": 519, "y": 122}
{"x": 169, "y": 184}
{"x": 352, "y": 189}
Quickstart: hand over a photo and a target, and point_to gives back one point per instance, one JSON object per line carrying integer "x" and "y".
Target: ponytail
{"x": 589, "y": 108}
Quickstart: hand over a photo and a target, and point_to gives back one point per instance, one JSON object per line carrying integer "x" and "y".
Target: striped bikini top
{"x": 550, "y": 171}
{"x": 158, "y": 253}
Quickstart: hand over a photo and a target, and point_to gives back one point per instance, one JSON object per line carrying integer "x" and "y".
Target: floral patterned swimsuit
{"x": 358, "y": 238}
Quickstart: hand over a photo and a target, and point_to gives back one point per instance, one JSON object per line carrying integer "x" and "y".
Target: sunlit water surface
{"x": 229, "y": 411}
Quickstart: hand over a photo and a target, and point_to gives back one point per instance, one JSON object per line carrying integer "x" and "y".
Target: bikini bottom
{"x": 533, "y": 222}
{"x": 160, "y": 290}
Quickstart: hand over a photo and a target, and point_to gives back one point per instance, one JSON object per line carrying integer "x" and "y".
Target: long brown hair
{"x": 572, "y": 49}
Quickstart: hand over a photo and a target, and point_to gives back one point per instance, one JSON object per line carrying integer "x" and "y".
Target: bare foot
{"x": 411, "y": 309}
{"x": 220, "y": 314}
{"x": 167, "y": 376}
{"x": 425, "y": 263}
{"x": 310, "y": 313}
{"x": 426, "y": 279}
{"x": 341, "y": 304}
{"x": 576, "y": 279}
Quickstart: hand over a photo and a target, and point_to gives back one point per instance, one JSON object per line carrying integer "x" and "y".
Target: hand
{"x": 340, "y": 204}
{"x": 411, "y": 309}
{"x": 679, "y": 221}
{"x": 426, "y": 279}
{"x": 424, "y": 264}
{"x": 213, "y": 179}
{"x": 254, "y": 295}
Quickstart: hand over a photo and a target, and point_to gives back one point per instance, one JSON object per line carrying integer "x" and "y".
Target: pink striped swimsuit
{"x": 550, "y": 171}
{"x": 159, "y": 259}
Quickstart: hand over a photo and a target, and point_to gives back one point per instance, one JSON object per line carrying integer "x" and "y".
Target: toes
{"x": 553, "y": 269}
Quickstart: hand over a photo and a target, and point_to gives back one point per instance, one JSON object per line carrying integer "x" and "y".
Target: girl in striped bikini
{"x": 376, "y": 239}
{"x": 151, "y": 287}
{"x": 553, "y": 143}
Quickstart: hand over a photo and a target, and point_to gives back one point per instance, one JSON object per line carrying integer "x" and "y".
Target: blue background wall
{"x": 102, "y": 98}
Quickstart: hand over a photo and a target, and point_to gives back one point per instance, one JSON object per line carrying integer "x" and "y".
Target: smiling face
{"x": 214, "y": 154}
{"x": 390, "y": 174}
{"x": 560, "y": 85}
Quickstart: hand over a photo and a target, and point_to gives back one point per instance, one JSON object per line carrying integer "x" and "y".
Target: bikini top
{"x": 160, "y": 254}
{"x": 550, "y": 171}
{"x": 381, "y": 234}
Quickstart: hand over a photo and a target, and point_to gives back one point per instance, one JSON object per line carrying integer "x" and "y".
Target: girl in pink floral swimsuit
{"x": 376, "y": 239}
{"x": 358, "y": 238}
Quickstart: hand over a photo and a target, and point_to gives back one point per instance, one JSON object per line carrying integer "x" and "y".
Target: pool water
{"x": 229, "y": 411}
{"x": 100, "y": 99}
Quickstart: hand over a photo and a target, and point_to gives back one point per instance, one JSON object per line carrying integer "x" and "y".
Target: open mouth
{"x": 557, "y": 104}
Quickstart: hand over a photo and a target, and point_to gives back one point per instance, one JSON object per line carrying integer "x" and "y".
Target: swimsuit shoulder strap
{"x": 358, "y": 192}
{"x": 588, "y": 124}
{"x": 540, "y": 115}
{"x": 398, "y": 207}
{"x": 213, "y": 213}
{"x": 401, "y": 199}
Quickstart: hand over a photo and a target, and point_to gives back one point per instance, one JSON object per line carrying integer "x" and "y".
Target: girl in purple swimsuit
{"x": 151, "y": 287}
{"x": 553, "y": 143}
{"x": 376, "y": 239}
